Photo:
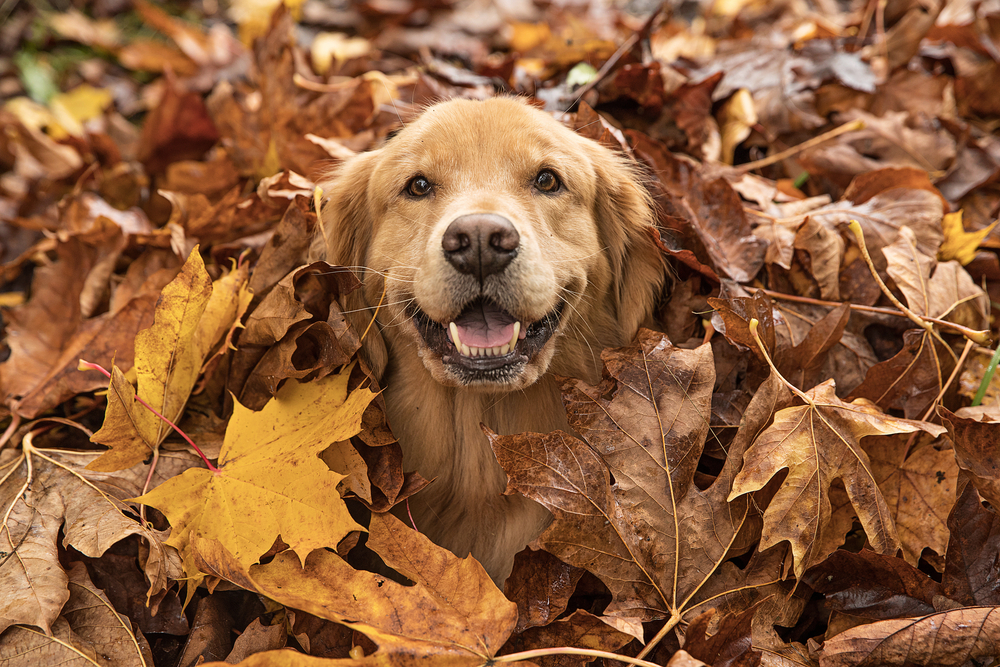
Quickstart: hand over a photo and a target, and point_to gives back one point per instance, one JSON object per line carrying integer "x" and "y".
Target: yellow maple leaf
{"x": 74, "y": 108}
{"x": 958, "y": 243}
{"x": 191, "y": 316}
{"x": 270, "y": 481}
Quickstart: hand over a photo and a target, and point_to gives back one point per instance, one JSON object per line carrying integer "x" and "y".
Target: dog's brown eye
{"x": 546, "y": 181}
{"x": 418, "y": 186}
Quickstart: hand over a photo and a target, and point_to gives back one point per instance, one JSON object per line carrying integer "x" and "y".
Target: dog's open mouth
{"x": 484, "y": 338}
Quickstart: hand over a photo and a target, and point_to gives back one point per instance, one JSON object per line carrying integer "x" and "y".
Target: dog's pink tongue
{"x": 485, "y": 325}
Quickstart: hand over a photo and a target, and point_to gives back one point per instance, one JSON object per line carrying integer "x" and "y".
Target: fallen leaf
{"x": 88, "y": 629}
{"x": 971, "y": 571}
{"x": 578, "y": 630}
{"x": 976, "y": 452}
{"x": 541, "y": 585}
{"x": 88, "y": 508}
{"x": 818, "y": 443}
{"x": 942, "y": 639}
{"x": 270, "y": 480}
{"x": 452, "y": 612}
{"x": 919, "y": 487}
{"x": 168, "y": 359}
{"x": 959, "y": 244}
{"x": 646, "y": 424}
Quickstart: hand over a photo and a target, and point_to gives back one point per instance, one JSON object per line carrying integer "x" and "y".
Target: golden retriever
{"x": 498, "y": 249}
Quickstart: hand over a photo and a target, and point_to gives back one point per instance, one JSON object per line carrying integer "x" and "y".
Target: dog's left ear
{"x": 625, "y": 217}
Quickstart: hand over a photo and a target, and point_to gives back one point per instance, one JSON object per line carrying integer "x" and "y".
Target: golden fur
{"x": 585, "y": 246}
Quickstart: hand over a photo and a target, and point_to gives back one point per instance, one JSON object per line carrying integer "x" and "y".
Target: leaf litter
{"x": 803, "y": 472}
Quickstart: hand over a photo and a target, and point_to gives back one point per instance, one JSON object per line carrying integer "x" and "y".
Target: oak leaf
{"x": 818, "y": 443}
{"x": 270, "y": 480}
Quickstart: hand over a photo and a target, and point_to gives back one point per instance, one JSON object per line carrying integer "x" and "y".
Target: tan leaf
{"x": 944, "y": 639}
{"x": 817, "y": 444}
{"x": 452, "y": 614}
{"x": 882, "y": 216}
{"x": 919, "y": 488}
{"x": 88, "y": 507}
{"x": 89, "y": 630}
{"x": 942, "y": 290}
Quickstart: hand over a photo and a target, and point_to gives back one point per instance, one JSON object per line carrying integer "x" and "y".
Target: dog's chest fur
{"x": 464, "y": 508}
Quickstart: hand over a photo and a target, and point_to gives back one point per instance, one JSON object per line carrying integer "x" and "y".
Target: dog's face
{"x": 494, "y": 230}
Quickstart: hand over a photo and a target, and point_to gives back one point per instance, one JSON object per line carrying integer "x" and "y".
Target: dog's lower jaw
{"x": 438, "y": 428}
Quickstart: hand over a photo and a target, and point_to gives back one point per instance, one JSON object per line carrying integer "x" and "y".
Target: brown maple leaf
{"x": 819, "y": 443}
{"x": 652, "y": 536}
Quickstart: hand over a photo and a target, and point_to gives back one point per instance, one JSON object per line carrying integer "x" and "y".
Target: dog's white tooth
{"x": 505, "y": 348}
{"x": 496, "y": 351}
{"x": 517, "y": 332}
{"x": 453, "y": 330}
{"x": 465, "y": 350}
{"x": 488, "y": 351}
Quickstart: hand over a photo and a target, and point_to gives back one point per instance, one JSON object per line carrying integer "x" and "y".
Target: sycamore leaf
{"x": 642, "y": 535}
{"x": 817, "y": 444}
{"x": 919, "y": 488}
{"x": 958, "y": 243}
{"x": 271, "y": 481}
{"x": 452, "y": 614}
{"x": 945, "y": 639}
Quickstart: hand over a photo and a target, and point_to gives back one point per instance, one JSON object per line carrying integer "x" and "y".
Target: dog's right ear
{"x": 348, "y": 227}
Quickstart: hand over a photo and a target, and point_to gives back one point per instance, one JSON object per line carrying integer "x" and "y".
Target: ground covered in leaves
{"x": 802, "y": 467}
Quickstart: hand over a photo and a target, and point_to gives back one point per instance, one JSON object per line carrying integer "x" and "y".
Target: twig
{"x": 789, "y": 152}
{"x": 606, "y": 68}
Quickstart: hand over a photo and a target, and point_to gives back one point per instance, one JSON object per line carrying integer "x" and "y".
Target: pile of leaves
{"x": 801, "y": 467}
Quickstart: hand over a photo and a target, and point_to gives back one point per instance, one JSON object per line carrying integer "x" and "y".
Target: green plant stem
{"x": 987, "y": 377}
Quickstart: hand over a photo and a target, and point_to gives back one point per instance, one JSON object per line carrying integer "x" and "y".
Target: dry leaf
{"x": 819, "y": 443}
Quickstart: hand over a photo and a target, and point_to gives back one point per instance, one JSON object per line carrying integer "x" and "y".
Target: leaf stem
{"x": 859, "y": 234}
{"x": 977, "y": 336}
{"x": 97, "y": 367}
{"x": 568, "y": 650}
{"x": 667, "y": 627}
{"x": 15, "y": 421}
{"x": 760, "y": 344}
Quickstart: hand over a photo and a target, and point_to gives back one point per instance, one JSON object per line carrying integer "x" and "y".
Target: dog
{"x": 497, "y": 249}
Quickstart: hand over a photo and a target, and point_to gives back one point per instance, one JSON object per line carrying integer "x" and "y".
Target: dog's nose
{"x": 480, "y": 244}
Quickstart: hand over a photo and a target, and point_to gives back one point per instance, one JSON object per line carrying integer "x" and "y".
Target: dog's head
{"x": 498, "y": 241}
